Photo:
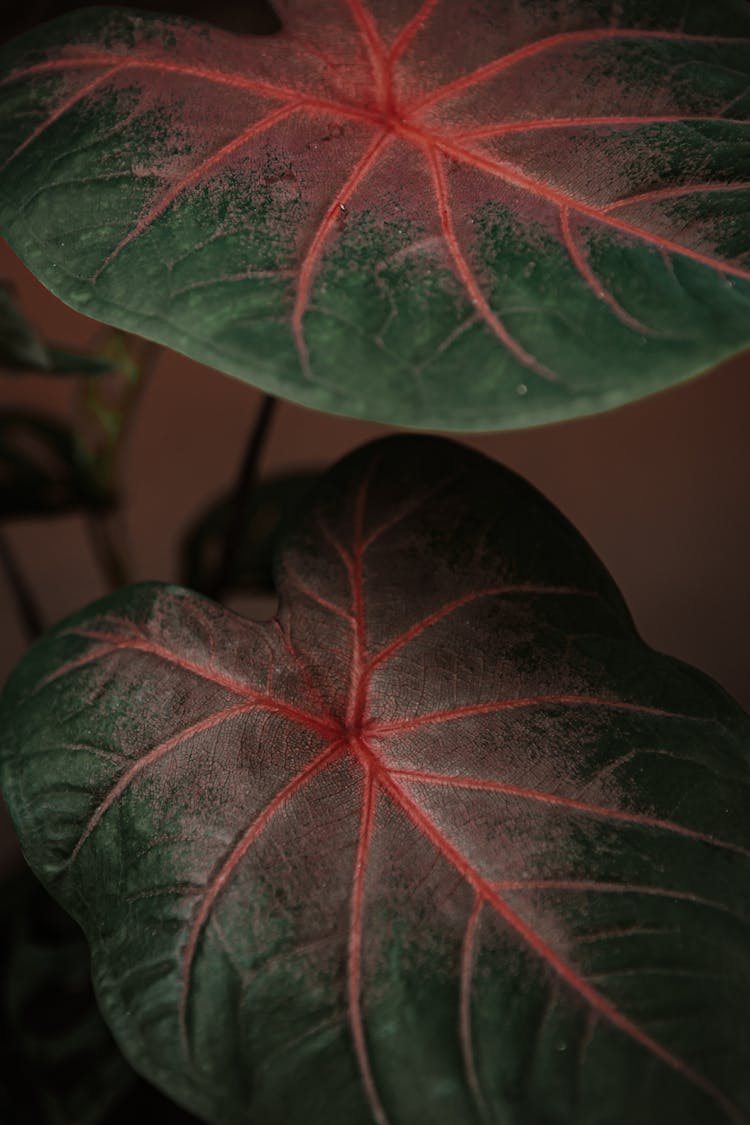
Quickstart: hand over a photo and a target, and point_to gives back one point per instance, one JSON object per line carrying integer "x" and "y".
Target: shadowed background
{"x": 659, "y": 488}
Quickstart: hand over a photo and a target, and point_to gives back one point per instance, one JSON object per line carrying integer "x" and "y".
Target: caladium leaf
{"x": 443, "y": 842}
{"x": 418, "y": 212}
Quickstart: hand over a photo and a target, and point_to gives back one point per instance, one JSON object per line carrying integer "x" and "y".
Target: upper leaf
{"x": 443, "y": 843}
{"x": 421, "y": 212}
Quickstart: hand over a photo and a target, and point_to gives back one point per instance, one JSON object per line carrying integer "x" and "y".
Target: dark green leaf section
{"x": 444, "y": 841}
{"x": 398, "y": 210}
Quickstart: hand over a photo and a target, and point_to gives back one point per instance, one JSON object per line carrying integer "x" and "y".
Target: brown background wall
{"x": 659, "y": 488}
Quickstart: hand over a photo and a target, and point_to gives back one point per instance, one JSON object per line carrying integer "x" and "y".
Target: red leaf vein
{"x": 354, "y": 953}
{"x": 464, "y": 1021}
{"x": 195, "y": 174}
{"x": 550, "y": 43}
{"x": 512, "y": 175}
{"x": 488, "y": 786}
{"x": 152, "y": 756}
{"x": 673, "y": 193}
{"x": 420, "y": 627}
{"x": 318, "y": 599}
{"x": 375, "y": 50}
{"x": 592, "y": 281}
{"x": 229, "y": 865}
{"x": 464, "y": 270}
{"x": 321, "y": 724}
{"x": 472, "y": 709}
{"x": 358, "y": 682}
{"x": 565, "y": 971}
{"x": 403, "y": 40}
{"x": 315, "y": 250}
{"x": 85, "y": 90}
{"x": 586, "y": 886}
{"x": 503, "y": 128}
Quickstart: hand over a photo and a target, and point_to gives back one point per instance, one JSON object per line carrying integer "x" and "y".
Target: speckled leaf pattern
{"x": 431, "y": 213}
{"x": 442, "y": 842}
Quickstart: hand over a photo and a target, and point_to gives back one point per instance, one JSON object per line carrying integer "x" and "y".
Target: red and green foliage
{"x": 432, "y": 213}
{"x": 444, "y": 841}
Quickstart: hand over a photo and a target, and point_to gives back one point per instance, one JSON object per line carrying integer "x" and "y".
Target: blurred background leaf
{"x": 23, "y": 350}
{"x": 40, "y": 470}
{"x": 252, "y": 568}
{"x": 106, "y": 406}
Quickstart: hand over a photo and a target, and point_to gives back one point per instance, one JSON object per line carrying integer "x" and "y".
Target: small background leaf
{"x": 59, "y": 1064}
{"x": 40, "y": 470}
{"x": 273, "y": 502}
{"x": 22, "y": 348}
{"x": 106, "y": 407}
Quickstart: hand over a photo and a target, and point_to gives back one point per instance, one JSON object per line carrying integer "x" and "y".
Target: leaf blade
{"x": 314, "y": 890}
{"x": 356, "y": 228}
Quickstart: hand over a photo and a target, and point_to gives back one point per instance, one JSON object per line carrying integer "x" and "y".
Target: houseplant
{"x": 470, "y": 1089}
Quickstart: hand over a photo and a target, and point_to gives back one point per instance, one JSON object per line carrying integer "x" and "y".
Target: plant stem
{"x": 243, "y": 490}
{"x": 109, "y": 542}
{"x": 26, "y": 602}
{"x": 106, "y": 411}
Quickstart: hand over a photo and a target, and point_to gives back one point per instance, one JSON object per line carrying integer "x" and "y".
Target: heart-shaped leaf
{"x": 444, "y": 842}
{"x": 426, "y": 213}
